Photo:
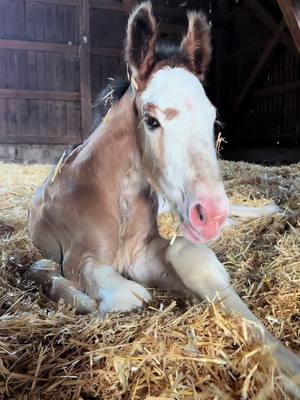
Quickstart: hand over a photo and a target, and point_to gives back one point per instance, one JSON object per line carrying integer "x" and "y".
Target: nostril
{"x": 205, "y": 218}
{"x": 200, "y": 212}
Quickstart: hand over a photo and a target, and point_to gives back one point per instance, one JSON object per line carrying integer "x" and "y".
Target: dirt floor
{"x": 174, "y": 349}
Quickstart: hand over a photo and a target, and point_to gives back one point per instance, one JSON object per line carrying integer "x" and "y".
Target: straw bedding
{"x": 174, "y": 349}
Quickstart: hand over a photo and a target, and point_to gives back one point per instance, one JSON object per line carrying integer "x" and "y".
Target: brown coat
{"x": 99, "y": 205}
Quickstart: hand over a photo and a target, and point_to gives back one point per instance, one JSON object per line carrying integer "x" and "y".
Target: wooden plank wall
{"x": 269, "y": 116}
{"x": 39, "y": 72}
{"x": 55, "y": 57}
{"x": 108, "y": 28}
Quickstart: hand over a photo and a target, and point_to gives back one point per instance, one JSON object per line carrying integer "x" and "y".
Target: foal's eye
{"x": 151, "y": 122}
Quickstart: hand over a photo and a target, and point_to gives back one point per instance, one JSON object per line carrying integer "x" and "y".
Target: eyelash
{"x": 151, "y": 122}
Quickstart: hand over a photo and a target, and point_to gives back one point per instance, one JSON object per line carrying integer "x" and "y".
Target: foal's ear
{"x": 196, "y": 44}
{"x": 141, "y": 39}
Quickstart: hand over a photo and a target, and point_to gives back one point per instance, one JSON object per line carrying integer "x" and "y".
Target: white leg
{"x": 200, "y": 270}
{"x": 246, "y": 212}
{"x": 115, "y": 292}
{"x": 152, "y": 270}
{"x": 240, "y": 214}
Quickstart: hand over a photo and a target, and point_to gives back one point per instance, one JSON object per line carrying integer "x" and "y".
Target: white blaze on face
{"x": 188, "y": 132}
{"x": 185, "y": 147}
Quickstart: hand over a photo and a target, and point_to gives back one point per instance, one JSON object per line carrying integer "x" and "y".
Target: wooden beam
{"x": 291, "y": 11}
{"x": 106, "y": 52}
{"x": 85, "y": 68}
{"x": 60, "y": 2}
{"x": 107, "y": 5}
{"x": 39, "y": 94}
{"x": 270, "y": 91}
{"x": 246, "y": 51}
{"x": 29, "y": 139}
{"x": 258, "y": 67}
{"x": 270, "y": 22}
{"x": 284, "y": 88}
{"x": 38, "y": 46}
{"x": 129, "y": 4}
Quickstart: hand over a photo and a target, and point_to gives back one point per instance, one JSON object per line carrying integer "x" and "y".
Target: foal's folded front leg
{"x": 203, "y": 274}
{"x": 114, "y": 292}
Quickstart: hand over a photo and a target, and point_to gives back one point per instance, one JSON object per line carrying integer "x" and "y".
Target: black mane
{"x": 170, "y": 52}
{"x": 110, "y": 95}
{"x": 115, "y": 90}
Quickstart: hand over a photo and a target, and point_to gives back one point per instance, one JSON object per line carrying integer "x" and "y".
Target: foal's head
{"x": 176, "y": 129}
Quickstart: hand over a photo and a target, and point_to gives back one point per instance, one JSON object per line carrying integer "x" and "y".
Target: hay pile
{"x": 174, "y": 349}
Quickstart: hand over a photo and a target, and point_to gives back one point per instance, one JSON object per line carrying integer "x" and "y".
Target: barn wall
{"x": 55, "y": 57}
{"x": 107, "y": 32}
{"x": 39, "y": 77}
{"x": 31, "y": 153}
{"x": 268, "y": 117}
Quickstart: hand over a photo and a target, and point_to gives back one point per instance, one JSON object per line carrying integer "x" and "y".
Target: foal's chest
{"x": 137, "y": 220}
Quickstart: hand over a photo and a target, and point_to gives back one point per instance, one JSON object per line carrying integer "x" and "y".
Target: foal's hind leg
{"x": 101, "y": 283}
{"x": 56, "y": 287}
{"x": 245, "y": 213}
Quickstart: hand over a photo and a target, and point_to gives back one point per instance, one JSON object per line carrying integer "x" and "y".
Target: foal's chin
{"x": 196, "y": 237}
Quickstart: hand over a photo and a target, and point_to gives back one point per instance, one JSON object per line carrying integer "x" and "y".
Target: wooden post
{"x": 291, "y": 11}
{"x": 85, "y": 68}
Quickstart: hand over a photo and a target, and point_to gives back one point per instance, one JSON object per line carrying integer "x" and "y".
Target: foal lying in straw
{"x": 96, "y": 215}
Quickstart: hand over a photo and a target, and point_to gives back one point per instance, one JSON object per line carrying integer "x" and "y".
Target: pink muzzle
{"x": 205, "y": 220}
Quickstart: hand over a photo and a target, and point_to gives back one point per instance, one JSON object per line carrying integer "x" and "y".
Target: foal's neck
{"x": 112, "y": 150}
